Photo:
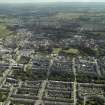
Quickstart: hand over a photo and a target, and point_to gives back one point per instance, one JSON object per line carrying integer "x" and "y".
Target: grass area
{"x": 4, "y": 31}
{"x": 99, "y": 33}
{"x": 56, "y": 50}
{"x": 3, "y": 96}
{"x": 72, "y": 51}
{"x": 67, "y": 15}
{"x": 76, "y": 15}
{"x": 40, "y": 54}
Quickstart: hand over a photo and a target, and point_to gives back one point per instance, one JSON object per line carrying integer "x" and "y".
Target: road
{"x": 97, "y": 68}
{"x": 84, "y": 100}
{"x": 75, "y": 83}
{"x": 41, "y": 91}
{"x": 40, "y": 94}
{"x": 5, "y": 74}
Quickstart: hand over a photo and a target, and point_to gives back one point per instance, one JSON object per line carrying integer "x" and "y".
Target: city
{"x": 52, "y": 54}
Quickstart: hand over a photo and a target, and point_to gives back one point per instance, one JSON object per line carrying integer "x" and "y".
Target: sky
{"x": 23, "y": 1}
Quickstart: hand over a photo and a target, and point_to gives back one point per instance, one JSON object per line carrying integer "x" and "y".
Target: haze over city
{"x": 25, "y": 1}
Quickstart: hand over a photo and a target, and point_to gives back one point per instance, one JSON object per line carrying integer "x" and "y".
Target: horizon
{"x": 52, "y": 1}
